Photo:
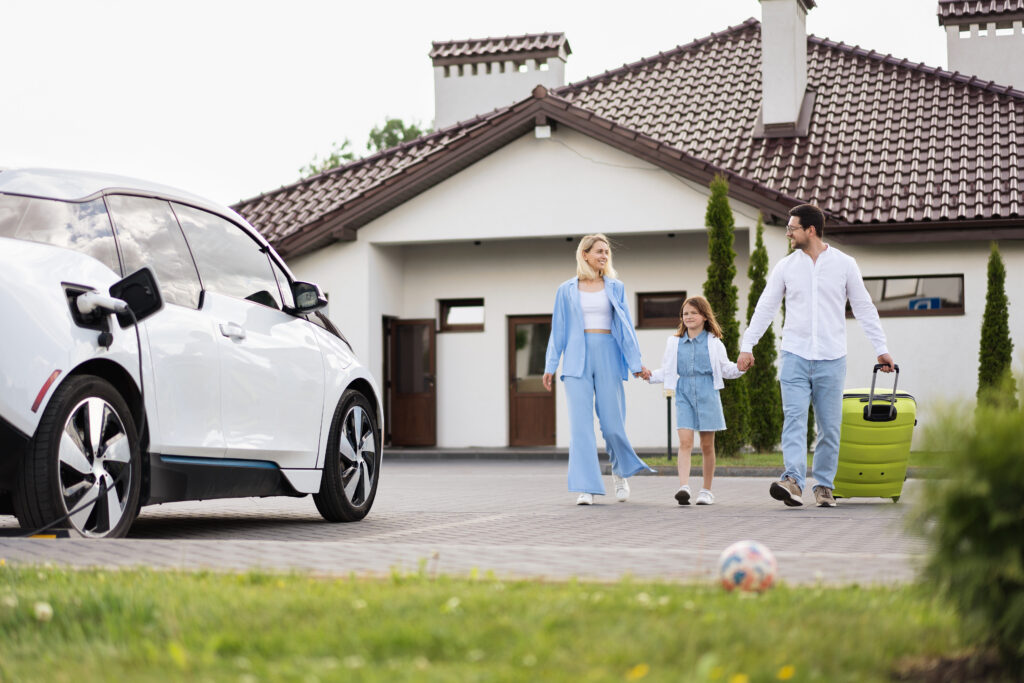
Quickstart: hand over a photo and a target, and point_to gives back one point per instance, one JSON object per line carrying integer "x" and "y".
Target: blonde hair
{"x": 583, "y": 270}
{"x": 704, "y": 308}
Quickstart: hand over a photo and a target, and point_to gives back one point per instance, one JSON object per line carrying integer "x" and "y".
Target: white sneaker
{"x": 705, "y": 497}
{"x": 683, "y": 495}
{"x": 585, "y": 499}
{"x": 621, "y": 488}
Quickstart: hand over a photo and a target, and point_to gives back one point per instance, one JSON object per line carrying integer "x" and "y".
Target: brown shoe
{"x": 787, "y": 491}
{"x": 823, "y": 497}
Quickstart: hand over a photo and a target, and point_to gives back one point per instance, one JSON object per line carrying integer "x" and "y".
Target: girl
{"x": 592, "y": 334}
{"x": 695, "y": 363}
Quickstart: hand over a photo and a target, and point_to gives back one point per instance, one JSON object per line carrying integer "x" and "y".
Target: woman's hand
{"x": 547, "y": 380}
{"x": 644, "y": 373}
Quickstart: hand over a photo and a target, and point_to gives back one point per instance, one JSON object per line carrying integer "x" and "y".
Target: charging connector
{"x": 90, "y": 302}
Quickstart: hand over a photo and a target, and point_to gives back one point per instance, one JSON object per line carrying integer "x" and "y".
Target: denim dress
{"x": 698, "y": 405}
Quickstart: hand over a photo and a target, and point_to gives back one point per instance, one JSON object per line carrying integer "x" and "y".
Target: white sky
{"x": 229, "y": 98}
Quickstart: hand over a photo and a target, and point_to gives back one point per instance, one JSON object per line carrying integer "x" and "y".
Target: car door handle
{"x": 232, "y": 331}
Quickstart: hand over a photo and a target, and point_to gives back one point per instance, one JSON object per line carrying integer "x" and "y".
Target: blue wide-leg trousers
{"x": 600, "y": 386}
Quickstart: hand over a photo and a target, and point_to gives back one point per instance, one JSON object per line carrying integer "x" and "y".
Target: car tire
{"x": 352, "y": 467}
{"x": 90, "y": 482}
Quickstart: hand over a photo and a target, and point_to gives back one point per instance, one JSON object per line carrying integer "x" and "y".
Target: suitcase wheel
{"x": 895, "y": 499}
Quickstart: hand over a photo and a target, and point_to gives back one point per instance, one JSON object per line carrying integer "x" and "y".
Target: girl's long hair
{"x": 704, "y": 308}
{"x": 583, "y": 270}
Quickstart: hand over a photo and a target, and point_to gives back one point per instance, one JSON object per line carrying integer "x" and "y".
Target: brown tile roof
{"x": 332, "y": 205}
{"x": 956, "y": 11}
{"x": 530, "y": 45}
{"x": 890, "y": 141}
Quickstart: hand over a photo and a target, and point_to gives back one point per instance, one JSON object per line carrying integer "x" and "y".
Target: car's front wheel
{"x": 83, "y": 466}
{"x": 352, "y": 468}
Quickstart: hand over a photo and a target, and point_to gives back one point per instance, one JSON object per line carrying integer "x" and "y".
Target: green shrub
{"x": 996, "y": 349}
{"x": 765, "y": 417}
{"x": 722, "y": 294}
{"x": 974, "y": 520}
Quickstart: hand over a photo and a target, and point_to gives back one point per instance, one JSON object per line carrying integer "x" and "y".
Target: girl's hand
{"x": 547, "y": 380}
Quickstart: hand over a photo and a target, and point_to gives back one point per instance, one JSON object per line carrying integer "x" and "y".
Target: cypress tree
{"x": 722, "y": 294}
{"x": 995, "y": 378}
{"x": 765, "y": 418}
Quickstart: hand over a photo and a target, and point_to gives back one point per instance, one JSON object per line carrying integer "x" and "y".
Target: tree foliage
{"x": 339, "y": 154}
{"x": 391, "y": 133}
{"x": 765, "y": 396}
{"x": 722, "y": 294}
{"x": 394, "y": 132}
{"x": 995, "y": 379}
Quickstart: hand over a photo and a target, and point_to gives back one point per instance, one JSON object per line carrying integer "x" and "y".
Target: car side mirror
{"x": 308, "y": 297}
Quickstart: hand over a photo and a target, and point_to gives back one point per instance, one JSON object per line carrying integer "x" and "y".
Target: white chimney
{"x": 473, "y": 77}
{"x": 985, "y": 40}
{"x": 783, "y": 66}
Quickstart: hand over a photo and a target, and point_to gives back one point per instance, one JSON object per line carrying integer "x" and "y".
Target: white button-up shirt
{"x": 816, "y": 294}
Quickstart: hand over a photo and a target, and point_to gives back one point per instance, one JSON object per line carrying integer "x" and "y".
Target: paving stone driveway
{"x": 516, "y": 519}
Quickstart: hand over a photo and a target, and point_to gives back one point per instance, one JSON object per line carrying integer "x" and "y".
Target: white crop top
{"x": 597, "y": 310}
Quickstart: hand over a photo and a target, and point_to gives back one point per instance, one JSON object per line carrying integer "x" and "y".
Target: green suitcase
{"x": 874, "y": 442}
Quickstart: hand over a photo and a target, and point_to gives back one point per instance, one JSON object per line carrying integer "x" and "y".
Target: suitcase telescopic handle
{"x": 871, "y": 394}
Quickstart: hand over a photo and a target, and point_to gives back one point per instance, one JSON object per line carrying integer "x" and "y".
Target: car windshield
{"x": 81, "y": 226}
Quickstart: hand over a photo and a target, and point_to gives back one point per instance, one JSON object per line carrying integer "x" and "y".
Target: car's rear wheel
{"x": 352, "y": 468}
{"x": 83, "y": 466}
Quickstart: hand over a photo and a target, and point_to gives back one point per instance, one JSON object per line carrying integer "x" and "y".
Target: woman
{"x": 592, "y": 327}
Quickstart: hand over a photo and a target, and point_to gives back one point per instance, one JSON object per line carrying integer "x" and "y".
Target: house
{"x": 441, "y": 256}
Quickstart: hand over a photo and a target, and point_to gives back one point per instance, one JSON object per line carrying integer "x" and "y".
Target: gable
{"x": 565, "y": 185}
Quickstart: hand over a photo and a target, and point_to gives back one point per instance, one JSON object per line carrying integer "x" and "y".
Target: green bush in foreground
{"x": 974, "y": 519}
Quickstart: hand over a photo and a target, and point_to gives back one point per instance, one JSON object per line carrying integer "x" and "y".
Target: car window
{"x": 149, "y": 236}
{"x": 284, "y": 284}
{"x": 83, "y": 227}
{"x": 230, "y": 261}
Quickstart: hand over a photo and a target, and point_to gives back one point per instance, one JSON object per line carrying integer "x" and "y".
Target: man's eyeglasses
{"x": 790, "y": 229}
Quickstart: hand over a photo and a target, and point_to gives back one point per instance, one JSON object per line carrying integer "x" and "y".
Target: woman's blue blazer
{"x": 567, "y": 330}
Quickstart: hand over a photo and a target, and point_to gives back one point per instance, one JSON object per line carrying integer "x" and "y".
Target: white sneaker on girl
{"x": 683, "y": 495}
{"x": 705, "y": 497}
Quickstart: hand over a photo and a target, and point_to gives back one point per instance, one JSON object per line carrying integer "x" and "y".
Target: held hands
{"x": 547, "y": 380}
{"x": 644, "y": 373}
{"x": 746, "y": 359}
{"x": 886, "y": 360}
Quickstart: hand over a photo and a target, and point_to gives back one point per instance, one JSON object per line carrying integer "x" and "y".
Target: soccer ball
{"x": 748, "y": 566}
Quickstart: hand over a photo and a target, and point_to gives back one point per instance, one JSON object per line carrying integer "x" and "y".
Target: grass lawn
{"x": 59, "y": 625}
{"x": 917, "y": 459}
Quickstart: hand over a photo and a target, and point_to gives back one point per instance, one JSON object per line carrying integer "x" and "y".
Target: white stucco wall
{"x": 523, "y": 202}
{"x": 937, "y": 355}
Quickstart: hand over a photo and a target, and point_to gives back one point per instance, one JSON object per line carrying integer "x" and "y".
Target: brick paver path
{"x": 516, "y": 519}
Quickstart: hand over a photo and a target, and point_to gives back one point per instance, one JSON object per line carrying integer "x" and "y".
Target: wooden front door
{"x": 531, "y": 409}
{"x": 412, "y": 389}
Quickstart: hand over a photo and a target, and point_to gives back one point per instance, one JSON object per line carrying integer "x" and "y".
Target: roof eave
{"x": 961, "y": 230}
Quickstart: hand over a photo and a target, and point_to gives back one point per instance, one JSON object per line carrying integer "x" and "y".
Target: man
{"x": 816, "y": 280}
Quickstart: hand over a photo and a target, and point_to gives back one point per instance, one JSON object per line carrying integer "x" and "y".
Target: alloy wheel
{"x": 94, "y": 467}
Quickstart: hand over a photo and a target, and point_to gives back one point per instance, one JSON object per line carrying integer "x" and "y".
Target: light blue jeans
{"x": 804, "y": 382}
{"x": 600, "y": 384}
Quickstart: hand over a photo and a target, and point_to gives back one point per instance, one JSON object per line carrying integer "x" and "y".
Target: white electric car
{"x": 156, "y": 349}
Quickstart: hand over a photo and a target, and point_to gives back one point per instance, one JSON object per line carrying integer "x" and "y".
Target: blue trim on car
{"x": 219, "y": 462}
